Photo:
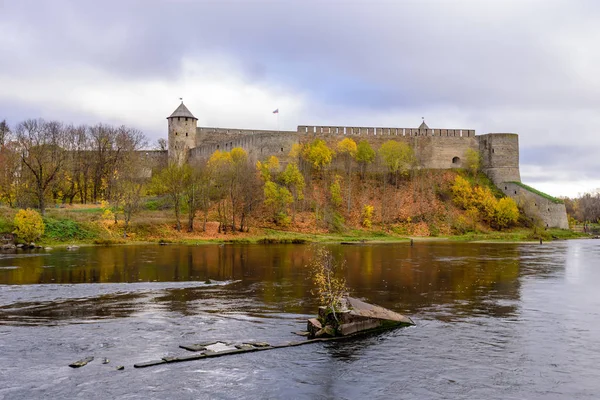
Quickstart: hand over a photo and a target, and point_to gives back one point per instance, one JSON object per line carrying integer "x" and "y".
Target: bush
{"x": 29, "y": 225}
{"x": 367, "y": 216}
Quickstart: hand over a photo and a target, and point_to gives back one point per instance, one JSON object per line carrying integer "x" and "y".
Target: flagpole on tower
{"x": 277, "y": 112}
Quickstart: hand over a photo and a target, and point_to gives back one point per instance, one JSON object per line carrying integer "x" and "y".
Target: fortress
{"x": 434, "y": 149}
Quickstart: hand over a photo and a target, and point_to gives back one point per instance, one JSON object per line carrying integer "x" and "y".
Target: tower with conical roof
{"x": 182, "y": 134}
{"x": 423, "y": 128}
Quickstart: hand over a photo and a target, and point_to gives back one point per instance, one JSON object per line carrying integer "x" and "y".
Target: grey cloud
{"x": 466, "y": 53}
{"x": 470, "y": 60}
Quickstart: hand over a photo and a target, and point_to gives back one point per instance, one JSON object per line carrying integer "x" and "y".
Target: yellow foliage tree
{"x": 318, "y": 154}
{"x": 485, "y": 202}
{"x": 330, "y": 288}
{"x": 506, "y": 213}
{"x": 480, "y": 202}
{"x": 29, "y": 225}
{"x": 473, "y": 161}
{"x": 336, "y": 192}
{"x": 398, "y": 157}
{"x": 278, "y": 198}
{"x": 268, "y": 168}
{"x": 293, "y": 179}
{"x": 367, "y": 216}
{"x": 462, "y": 192}
{"x": 365, "y": 155}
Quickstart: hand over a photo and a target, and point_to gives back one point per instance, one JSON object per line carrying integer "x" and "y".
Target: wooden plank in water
{"x": 149, "y": 363}
{"x": 211, "y": 354}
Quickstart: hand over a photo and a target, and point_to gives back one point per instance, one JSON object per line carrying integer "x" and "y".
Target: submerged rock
{"x": 313, "y": 326}
{"x": 120, "y": 368}
{"x": 327, "y": 331}
{"x": 81, "y": 363}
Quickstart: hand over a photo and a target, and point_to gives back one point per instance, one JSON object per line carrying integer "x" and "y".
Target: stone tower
{"x": 500, "y": 157}
{"x": 182, "y": 134}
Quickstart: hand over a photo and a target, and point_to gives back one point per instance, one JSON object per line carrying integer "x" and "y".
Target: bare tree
{"x": 10, "y": 177}
{"x": 162, "y": 144}
{"x": 42, "y": 153}
{"x": 4, "y": 133}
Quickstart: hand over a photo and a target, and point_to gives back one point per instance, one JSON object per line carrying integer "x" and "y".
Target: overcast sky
{"x": 528, "y": 67}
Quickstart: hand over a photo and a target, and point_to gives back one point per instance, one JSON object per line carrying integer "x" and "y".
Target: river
{"x": 494, "y": 321}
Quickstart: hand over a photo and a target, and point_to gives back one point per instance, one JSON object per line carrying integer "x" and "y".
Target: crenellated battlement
{"x": 434, "y": 148}
{"x": 377, "y": 131}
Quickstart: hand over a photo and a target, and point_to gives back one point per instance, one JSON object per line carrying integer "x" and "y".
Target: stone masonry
{"x": 434, "y": 149}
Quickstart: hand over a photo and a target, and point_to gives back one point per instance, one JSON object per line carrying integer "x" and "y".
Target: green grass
{"x": 519, "y": 235}
{"x": 67, "y": 230}
{"x": 6, "y": 226}
{"x": 542, "y": 194}
{"x": 86, "y": 210}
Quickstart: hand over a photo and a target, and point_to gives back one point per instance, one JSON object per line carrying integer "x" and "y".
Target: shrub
{"x": 29, "y": 225}
{"x": 336, "y": 192}
{"x": 367, "y": 216}
{"x": 506, "y": 213}
{"x": 329, "y": 287}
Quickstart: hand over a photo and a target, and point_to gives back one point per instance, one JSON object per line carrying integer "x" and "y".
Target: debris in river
{"x": 81, "y": 363}
{"x": 72, "y": 247}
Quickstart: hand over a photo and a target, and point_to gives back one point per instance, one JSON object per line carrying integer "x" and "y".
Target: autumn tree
{"x": 348, "y": 149}
{"x": 219, "y": 168}
{"x": 293, "y": 180}
{"x": 10, "y": 177}
{"x": 42, "y": 154}
{"x": 75, "y": 175}
{"x": 4, "y": 133}
{"x": 506, "y": 213}
{"x": 365, "y": 155}
{"x": 197, "y": 195}
{"x": 251, "y": 195}
{"x": 269, "y": 168}
{"x": 398, "y": 157}
{"x": 29, "y": 225}
{"x": 278, "y": 198}
{"x": 102, "y": 143}
{"x": 589, "y": 207}
{"x": 130, "y": 182}
{"x": 318, "y": 154}
{"x": 173, "y": 182}
{"x": 162, "y": 145}
{"x": 472, "y": 161}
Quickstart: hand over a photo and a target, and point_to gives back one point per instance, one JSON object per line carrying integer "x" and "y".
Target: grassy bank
{"x": 89, "y": 225}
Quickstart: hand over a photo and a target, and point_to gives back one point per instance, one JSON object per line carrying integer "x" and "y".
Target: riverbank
{"x": 85, "y": 225}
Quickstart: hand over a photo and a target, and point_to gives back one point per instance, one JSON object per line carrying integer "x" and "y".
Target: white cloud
{"x": 214, "y": 91}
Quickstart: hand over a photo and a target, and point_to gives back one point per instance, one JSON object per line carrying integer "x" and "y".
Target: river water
{"x": 494, "y": 321}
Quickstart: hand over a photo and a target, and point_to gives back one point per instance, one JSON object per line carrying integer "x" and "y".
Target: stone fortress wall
{"x": 434, "y": 149}
{"x": 550, "y": 213}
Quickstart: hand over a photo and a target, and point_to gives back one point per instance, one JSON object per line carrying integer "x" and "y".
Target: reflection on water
{"x": 494, "y": 321}
{"x": 457, "y": 280}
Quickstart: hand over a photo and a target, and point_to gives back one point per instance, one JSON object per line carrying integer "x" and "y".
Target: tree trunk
{"x": 177, "y": 215}
{"x": 191, "y": 222}
{"x": 42, "y": 201}
{"x": 127, "y": 217}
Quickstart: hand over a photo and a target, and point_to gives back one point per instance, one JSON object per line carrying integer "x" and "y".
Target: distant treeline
{"x": 47, "y": 160}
